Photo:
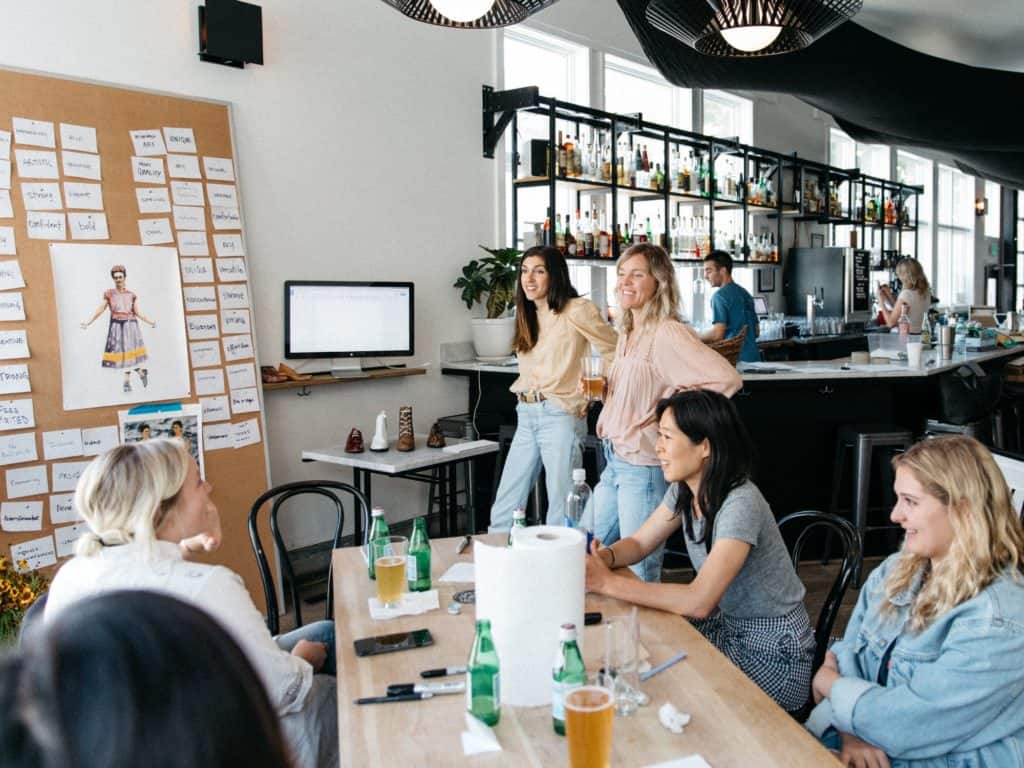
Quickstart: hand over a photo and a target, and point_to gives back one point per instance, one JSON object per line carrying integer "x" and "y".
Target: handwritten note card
{"x": 18, "y": 448}
{"x": 189, "y": 217}
{"x": 21, "y": 515}
{"x": 180, "y": 140}
{"x": 202, "y": 327}
{"x": 80, "y": 138}
{"x": 17, "y": 414}
{"x": 66, "y": 537}
{"x": 66, "y": 474}
{"x": 155, "y": 231}
{"x": 82, "y": 196}
{"x": 197, "y": 270}
{"x": 219, "y": 168}
{"x": 228, "y": 245}
{"x": 5, "y": 145}
{"x": 7, "y": 241}
{"x": 246, "y": 433}
{"x": 88, "y": 226}
{"x": 26, "y": 481}
{"x": 62, "y": 444}
{"x": 235, "y": 321}
{"x": 36, "y": 554}
{"x": 6, "y": 210}
{"x": 5, "y": 174}
{"x": 217, "y": 436}
{"x": 41, "y": 196}
{"x": 209, "y": 381}
{"x": 215, "y": 408}
{"x": 231, "y": 270}
{"x": 204, "y": 353}
{"x": 148, "y": 143}
{"x": 233, "y": 296}
{"x": 62, "y": 509}
{"x": 223, "y": 195}
{"x": 10, "y": 275}
{"x": 14, "y": 345}
{"x": 148, "y": 170}
{"x": 36, "y": 164}
{"x": 193, "y": 244}
{"x": 183, "y": 167}
{"x": 46, "y": 226}
{"x": 153, "y": 200}
{"x": 225, "y": 218}
{"x": 34, "y": 133}
{"x": 81, "y": 166}
{"x": 245, "y": 400}
{"x": 187, "y": 193}
{"x": 97, "y": 440}
{"x": 237, "y": 347}
{"x": 12, "y": 306}
{"x": 241, "y": 375}
{"x": 14, "y": 379}
{"x": 200, "y": 298}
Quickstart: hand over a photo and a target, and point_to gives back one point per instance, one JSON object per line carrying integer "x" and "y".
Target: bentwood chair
{"x": 327, "y": 489}
{"x": 849, "y": 538}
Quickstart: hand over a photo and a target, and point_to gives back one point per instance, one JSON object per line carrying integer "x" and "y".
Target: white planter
{"x": 493, "y": 338}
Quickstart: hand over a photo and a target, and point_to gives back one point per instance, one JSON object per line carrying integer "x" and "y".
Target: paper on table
{"x": 97, "y": 440}
{"x": 693, "y": 761}
{"x": 62, "y": 444}
{"x": 7, "y": 246}
{"x": 204, "y": 354}
{"x": 14, "y": 345}
{"x": 153, "y": 199}
{"x": 458, "y": 573}
{"x": 46, "y": 226}
{"x": 155, "y": 231}
{"x": 479, "y": 737}
{"x": 21, "y": 515}
{"x": 148, "y": 142}
{"x": 78, "y": 137}
{"x": 10, "y": 271}
{"x": 81, "y": 166}
{"x": 35, "y": 133}
{"x": 411, "y": 604}
{"x": 33, "y": 164}
{"x": 6, "y": 211}
{"x": 17, "y": 414}
{"x": 467, "y": 446}
{"x": 88, "y": 226}
{"x": 37, "y": 553}
{"x": 26, "y": 481}
{"x": 83, "y": 196}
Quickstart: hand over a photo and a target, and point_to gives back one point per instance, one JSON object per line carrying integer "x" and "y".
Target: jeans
{"x": 545, "y": 434}
{"x": 625, "y": 497}
{"x": 315, "y": 632}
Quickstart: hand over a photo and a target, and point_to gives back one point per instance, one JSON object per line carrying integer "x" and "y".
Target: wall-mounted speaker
{"x": 231, "y": 33}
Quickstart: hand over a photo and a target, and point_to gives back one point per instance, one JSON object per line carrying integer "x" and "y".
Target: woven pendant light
{"x": 501, "y": 13}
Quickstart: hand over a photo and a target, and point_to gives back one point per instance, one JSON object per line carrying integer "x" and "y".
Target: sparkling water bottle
{"x": 579, "y": 513}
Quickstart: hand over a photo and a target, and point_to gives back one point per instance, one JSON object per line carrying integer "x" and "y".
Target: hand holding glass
{"x": 389, "y": 561}
{"x": 593, "y": 378}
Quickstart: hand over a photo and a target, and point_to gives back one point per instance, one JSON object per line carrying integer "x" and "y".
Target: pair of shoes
{"x": 292, "y": 374}
{"x": 144, "y": 376}
{"x": 127, "y": 384}
{"x": 354, "y": 444}
{"x": 270, "y": 375}
{"x": 406, "y": 441}
{"x": 436, "y": 437}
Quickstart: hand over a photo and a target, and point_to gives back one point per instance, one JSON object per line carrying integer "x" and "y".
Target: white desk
{"x": 423, "y": 464}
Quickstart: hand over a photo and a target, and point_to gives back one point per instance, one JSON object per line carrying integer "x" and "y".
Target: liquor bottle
{"x": 562, "y": 159}
{"x": 518, "y": 521}
{"x": 659, "y": 227}
{"x": 648, "y": 233}
{"x": 547, "y": 229}
{"x": 588, "y": 236}
{"x": 378, "y": 529}
{"x": 567, "y": 674}
{"x": 570, "y": 241}
{"x": 687, "y": 173}
{"x": 639, "y": 235}
{"x": 606, "y": 164}
{"x": 620, "y": 174}
{"x": 570, "y": 157}
{"x": 774, "y": 249}
{"x": 559, "y": 235}
{"x": 646, "y": 162}
{"x": 483, "y": 687}
{"x": 417, "y": 564}
{"x": 638, "y": 167}
{"x": 577, "y": 158}
{"x": 604, "y": 240}
{"x": 904, "y": 324}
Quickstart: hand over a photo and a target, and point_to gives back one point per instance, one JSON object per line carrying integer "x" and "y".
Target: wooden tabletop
{"x": 735, "y": 725}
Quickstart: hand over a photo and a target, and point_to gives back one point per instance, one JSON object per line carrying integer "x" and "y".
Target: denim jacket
{"x": 955, "y": 693}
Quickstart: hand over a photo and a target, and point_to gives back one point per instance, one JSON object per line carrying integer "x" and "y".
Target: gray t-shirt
{"x": 766, "y": 585}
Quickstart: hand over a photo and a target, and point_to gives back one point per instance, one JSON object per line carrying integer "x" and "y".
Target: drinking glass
{"x": 593, "y": 378}
{"x": 389, "y": 554}
{"x": 622, "y": 647}
{"x": 914, "y": 354}
{"x": 588, "y": 726}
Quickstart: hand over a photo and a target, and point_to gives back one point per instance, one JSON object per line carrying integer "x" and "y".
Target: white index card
{"x": 179, "y": 140}
{"x": 12, "y": 306}
{"x": 5, "y": 145}
{"x": 6, "y": 209}
{"x": 81, "y": 165}
{"x": 14, "y": 344}
{"x": 62, "y": 444}
{"x": 36, "y": 164}
{"x": 183, "y": 167}
{"x": 233, "y": 296}
{"x": 193, "y": 244}
{"x": 36, "y": 554}
{"x": 148, "y": 143}
{"x": 237, "y": 347}
{"x": 209, "y": 381}
{"x": 66, "y": 474}
{"x": 80, "y": 138}
{"x": 219, "y": 168}
{"x": 7, "y": 246}
{"x": 235, "y": 321}
{"x": 217, "y": 436}
{"x": 148, "y": 170}
{"x": 187, "y": 193}
{"x": 88, "y": 226}
{"x": 82, "y": 196}
{"x": 153, "y": 199}
{"x": 17, "y": 414}
{"x": 34, "y": 133}
{"x": 66, "y": 537}
{"x": 215, "y": 408}
{"x": 245, "y": 400}
{"x": 18, "y": 448}
{"x": 246, "y": 432}
{"x": 223, "y": 195}
{"x": 155, "y": 231}
{"x": 97, "y": 440}
{"x": 21, "y": 515}
{"x": 200, "y": 298}
{"x": 10, "y": 275}
{"x": 228, "y": 244}
{"x": 225, "y": 218}
{"x": 14, "y": 379}
{"x": 202, "y": 327}
{"x": 62, "y": 509}
{"x": 196, "y": 270}
{"x": 204, "y": 353}
{"x": 241, "y": 375}
{"x": 46, "y": 226}
{"x": 41, "y": 196}
{"x": 231, "y": 270}
{"x": 189, "y": 217}
{"x": 26, "y": 481}
{"x": 5, "y": 174}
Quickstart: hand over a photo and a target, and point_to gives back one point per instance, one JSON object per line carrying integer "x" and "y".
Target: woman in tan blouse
{"x": 656, "y": 356}
{"x": 554, "y": 327}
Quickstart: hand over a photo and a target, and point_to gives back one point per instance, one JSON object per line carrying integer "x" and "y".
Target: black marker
{"x": 389, "y": 699}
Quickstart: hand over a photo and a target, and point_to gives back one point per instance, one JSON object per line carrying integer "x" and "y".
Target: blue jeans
{"x": 545, "y": 434}
{"x": 625, "y": 497}
{"x": 315, "y": 632}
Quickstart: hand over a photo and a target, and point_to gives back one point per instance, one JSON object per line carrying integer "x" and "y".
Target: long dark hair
{"x": 135, "y": 678}
{"x": 560, "y": 290}
{"x": 701, "y": 414}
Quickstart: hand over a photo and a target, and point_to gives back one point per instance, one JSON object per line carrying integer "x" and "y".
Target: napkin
{"x": 672, "y": 718}
{"x": 410, "y": 604}
{"x": 458, "y": 573}
{"x": 479, "y": 737}
{"x": 693, "y": 761}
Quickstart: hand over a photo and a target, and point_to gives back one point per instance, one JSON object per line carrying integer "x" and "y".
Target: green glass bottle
{"x": 417, "y": 563}
{"x": 483, "y": 689}
{"x": 378, "y": 528}
{"x": 568, "y": 673}
{"x": 518, "y": 521}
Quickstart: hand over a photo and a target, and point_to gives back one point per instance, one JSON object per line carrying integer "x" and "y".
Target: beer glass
{"x": 389, "y": 562}
{"x": 588, "y": 726}
{"x": 622, "y": 675}
{"x": 593, "y": 378}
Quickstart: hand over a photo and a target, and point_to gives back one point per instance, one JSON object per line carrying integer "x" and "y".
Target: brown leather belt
{"x": 530, "y": 397}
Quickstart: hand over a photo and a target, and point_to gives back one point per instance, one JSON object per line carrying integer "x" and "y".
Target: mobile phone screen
{"x": 399, "y": 641}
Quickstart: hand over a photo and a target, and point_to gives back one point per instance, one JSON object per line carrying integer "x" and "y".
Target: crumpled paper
{"x": 479, "y": 737}
{"x": 672, "y": 718}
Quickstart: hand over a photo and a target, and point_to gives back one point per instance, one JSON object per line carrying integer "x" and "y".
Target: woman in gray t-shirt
{"x": 746, "y": 598}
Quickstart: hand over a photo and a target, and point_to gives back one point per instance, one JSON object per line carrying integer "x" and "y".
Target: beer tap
{"x": 813, "y": 304}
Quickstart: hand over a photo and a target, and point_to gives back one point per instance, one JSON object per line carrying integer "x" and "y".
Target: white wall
{"x": 358, "y": 153}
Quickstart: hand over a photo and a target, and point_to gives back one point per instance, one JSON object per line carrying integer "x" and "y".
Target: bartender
{"x": 732, "y": 308}
{"x": 915, "y": 296}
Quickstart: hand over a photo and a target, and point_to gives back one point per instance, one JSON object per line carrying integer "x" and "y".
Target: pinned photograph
{"x": 184, "y": 423}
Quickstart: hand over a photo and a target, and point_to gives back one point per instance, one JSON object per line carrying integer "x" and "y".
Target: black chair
{"x": 846, "y": 533}
{"x": 33, "y": 619}
{"x": 279, "y": 495}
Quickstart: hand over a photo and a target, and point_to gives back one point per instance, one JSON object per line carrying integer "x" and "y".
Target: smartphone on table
{"x": 399, "y": 641}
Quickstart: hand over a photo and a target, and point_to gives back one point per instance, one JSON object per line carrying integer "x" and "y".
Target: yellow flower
{"x": 23, "y": 565}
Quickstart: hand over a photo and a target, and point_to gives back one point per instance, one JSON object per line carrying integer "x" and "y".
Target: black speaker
{"x": 231, "y": 33}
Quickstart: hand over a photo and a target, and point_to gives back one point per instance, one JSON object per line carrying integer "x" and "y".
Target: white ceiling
{"x": 983, "y": 33}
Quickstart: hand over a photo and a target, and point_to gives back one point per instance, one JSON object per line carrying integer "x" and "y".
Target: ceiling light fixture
{"x": 469, "y": 14}
{"x": 749, "y": 27}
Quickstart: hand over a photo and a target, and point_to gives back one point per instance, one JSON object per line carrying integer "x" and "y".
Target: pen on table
{"x": 461, "y": 546}
{"x": 389, "y": 699}
{"x": 437, "y": 689}
{"x": 663, "y": 666}
{"x": 443, "y": 672}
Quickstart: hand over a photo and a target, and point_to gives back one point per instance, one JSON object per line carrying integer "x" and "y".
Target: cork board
{"x": 235, "y": 455}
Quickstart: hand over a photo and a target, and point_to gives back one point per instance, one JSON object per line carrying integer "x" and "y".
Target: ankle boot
{"x": 436, "y": 437}
{"x": 406, "y": 441}
{"x": 354, "y": 444}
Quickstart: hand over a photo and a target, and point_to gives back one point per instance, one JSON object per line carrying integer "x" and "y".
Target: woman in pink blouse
{"x": 656, "y": 356}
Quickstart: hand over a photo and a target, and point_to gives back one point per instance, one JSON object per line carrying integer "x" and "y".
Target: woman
{"x": 134, "y": 678}
{"x": 125, "y": 348}
{"x": 656, "y": 356}
{"x": 930, "y": 672}
{"x": 148, "y": 511}
{"x": 915, "y": 296}
{"x": 554, "y": 328}
{"x": 746, "y": 598}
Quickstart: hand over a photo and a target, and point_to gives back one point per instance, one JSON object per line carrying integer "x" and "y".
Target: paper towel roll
{"x": 528, "y": 591}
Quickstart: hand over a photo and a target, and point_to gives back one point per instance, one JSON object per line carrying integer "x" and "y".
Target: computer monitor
{"x": 760, "y": 305}
{"x": 346, "y": 319}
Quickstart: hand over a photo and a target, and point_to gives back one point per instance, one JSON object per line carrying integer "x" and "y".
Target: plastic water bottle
{"x": 518, "y": 521}
{"x": 577, "y": 514}
{"x": 961, "y": 338}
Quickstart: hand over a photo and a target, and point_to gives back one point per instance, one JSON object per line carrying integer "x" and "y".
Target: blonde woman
{"x": 148, "y": 511}
{"x": 656, "y": 356}
{"x": 916, "y": 296}
{"x": 930, "y": 671}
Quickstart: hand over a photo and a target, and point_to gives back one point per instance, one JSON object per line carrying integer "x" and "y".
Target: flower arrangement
{"x": 19, "y": 588}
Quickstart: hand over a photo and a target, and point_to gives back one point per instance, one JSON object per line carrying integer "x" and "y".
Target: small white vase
{"x": 493, "y": 338}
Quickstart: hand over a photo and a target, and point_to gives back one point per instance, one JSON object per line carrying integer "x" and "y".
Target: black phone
{"x": 400, "y": 641}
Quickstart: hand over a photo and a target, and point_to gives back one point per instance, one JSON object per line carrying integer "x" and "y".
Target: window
{"x": 630, "y": 87}
{"x": 911, "y": 169}
{"x": 992, "y": 217}
{"x": 873, "y": 159}
{"x": 955, "y": 242}
{"x": 559, "y": 68}
{"x": 842, "y": 150}
{"x": 727, "y": 115}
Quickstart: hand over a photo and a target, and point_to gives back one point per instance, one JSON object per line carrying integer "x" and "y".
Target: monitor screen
{"x": 760, "y": 305}
{"x": 347, "y": 319}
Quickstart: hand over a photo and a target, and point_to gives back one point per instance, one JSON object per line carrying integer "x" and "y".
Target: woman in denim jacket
{"x": 930, "y": 672}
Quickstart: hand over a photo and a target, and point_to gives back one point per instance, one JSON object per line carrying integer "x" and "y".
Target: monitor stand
{"x": 347, "y": 368}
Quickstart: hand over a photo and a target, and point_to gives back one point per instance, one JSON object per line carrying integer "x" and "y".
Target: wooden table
{"x": 735, "y": 725}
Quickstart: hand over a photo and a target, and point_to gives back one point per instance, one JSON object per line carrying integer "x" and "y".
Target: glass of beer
{"x": 588, "y": 726}
{"x": 389, "y": 554}
{"x": 593, "y": 378}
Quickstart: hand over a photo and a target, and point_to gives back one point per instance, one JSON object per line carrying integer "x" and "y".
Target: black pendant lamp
{"x": 469, "y": 14}
{"x": 743, "y": 28}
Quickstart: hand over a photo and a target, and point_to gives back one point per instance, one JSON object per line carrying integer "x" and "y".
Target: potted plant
{"x": 491, "y": 281}
{"x": 19, "y": 588}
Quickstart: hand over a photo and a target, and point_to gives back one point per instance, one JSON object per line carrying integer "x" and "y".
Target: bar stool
{"x": 981, "y": 429}
{"x": 863, "y": 439}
